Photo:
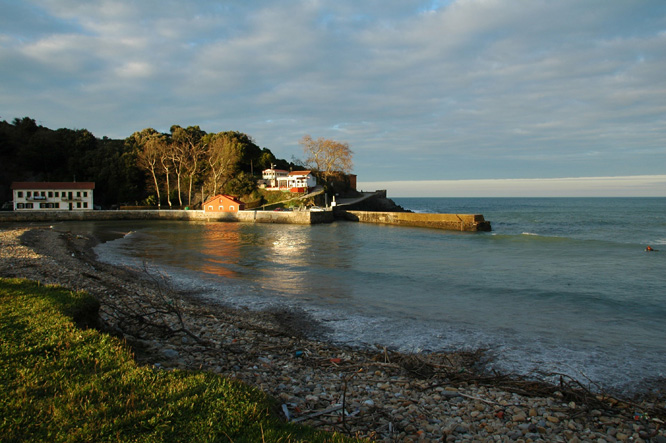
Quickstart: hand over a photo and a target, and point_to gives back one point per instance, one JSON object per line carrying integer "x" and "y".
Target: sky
{"x": 435, "y": 98}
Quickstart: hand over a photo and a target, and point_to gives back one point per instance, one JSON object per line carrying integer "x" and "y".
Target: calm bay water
{"x": 559, "y": 285}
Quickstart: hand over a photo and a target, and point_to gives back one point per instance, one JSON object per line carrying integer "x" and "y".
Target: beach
{"x": 375, "y": 393}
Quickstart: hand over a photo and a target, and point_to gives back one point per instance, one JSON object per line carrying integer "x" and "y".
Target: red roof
{"x": 228, "y": 197}
{"x": 300, "y": 172}
{"x": 53, "y": 185}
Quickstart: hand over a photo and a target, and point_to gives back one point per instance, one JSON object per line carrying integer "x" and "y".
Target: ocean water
{"x": 560, "y": 286}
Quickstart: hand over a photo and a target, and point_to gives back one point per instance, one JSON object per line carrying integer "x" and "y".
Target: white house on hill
{"x": 296, "y": 181}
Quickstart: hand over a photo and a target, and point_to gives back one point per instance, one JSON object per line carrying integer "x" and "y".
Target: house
{"x": 223, "y": 203}
{"x": 53, "y": 196}
{"x": 295, "y": 181}
{"x": 271, "y": 177}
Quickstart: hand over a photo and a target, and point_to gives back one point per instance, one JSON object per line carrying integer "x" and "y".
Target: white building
{"x": 53, "y": 196}
{"x": 296, "y": 181}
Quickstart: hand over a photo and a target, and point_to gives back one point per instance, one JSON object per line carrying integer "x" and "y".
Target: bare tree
{"x": 327, "y": 156}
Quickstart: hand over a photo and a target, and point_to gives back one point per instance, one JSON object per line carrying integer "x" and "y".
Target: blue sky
{"x": 502, "y": 97}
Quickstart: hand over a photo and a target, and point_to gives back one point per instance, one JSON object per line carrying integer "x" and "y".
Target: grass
{"x": 63, "y": 383}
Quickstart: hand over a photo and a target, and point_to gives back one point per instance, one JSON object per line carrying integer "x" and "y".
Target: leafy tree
{"x": 327, "y": 156}
{"x": 188, "y": 149}
{"x": 151, "y": 156}
{"x": 241, "y": 184}
{"x": 223, "y": 155}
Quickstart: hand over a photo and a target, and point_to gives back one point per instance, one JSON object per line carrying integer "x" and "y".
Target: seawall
{"x": 454, "y": 222}
{"x": 286, "y": 217}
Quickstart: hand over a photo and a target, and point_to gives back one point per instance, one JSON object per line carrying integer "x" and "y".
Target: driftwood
{"x": 157, "y": 311}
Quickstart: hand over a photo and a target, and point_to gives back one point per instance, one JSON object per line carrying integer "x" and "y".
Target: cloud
{"x": 420, "y": 89}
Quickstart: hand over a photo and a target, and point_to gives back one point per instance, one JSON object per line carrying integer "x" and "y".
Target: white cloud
{"x": 420, "y": 89}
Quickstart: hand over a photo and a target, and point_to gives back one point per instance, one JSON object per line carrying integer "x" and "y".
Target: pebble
{"x": 309, "y": 376}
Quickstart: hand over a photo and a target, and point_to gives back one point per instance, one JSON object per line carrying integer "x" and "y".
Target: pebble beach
{"x": 376, "y": 393}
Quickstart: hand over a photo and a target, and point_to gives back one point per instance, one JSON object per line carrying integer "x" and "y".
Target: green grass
{"x": 61, "y": 383}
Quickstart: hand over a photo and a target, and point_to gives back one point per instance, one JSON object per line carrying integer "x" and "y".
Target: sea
{"x": 560, "y": 286}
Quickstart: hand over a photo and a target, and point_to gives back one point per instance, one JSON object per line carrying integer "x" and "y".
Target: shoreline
{"x": 388, "y": 396}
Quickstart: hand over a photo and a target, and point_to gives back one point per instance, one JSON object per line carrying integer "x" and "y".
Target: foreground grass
{"x": 59, "y": 382}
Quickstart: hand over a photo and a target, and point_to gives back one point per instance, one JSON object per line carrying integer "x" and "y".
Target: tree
{"x": 243, "y": 183}
{"x": 161, "y": 147}
{"x": 224, "y": 153}
{"x": 327, "y": 156}
{"x": 188, "y": 150}
{"x": 153, "y": 147}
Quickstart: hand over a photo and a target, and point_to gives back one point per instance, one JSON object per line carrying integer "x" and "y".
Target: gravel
{"x": 373, "y": 393}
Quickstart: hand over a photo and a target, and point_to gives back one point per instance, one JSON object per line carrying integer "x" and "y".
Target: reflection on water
{"x": 300, "y": 262}
{"x": 221, "y": 249}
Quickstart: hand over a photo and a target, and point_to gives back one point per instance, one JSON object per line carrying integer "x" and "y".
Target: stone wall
{"x": 287, "y": 217}
{"x": 455, "y": 222}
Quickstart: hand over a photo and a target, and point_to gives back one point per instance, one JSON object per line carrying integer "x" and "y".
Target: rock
{"x": 169, "y": 353}
{"x": 519, "y": 417}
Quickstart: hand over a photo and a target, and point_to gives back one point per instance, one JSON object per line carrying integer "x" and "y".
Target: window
{"x": 19, "y": 194}
{"x": 50, "y": 194}
{"x": 221, "y": 208}
{"x": 231, "y": 208}
{"x": 28, "y": 206}
{"x": 85, "y": 193}
{"x": 19, "y": 205}
{"x": 78, "y": 193}
{"x": 43, "y": 194}
{"x": 28, "y": 194}
{"x": 57, "y": 194}
{"x": 78, "y": 205}
{"x": 210, "y": 208}
{"x": 85, "y": 205}
{"x": 43, "y": 206}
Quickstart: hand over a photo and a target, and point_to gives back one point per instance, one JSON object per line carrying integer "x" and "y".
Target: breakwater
{"x": 454, "y": 222}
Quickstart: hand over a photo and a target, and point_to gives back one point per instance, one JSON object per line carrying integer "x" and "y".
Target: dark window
{"x": 78, "y": 193}
{"x": 78, "y": 205}
{"x": 85, "y": 205}
{"x": 85, "y": 194}
{"x": 19, "y": 194}
{"x": 28, "y": 205}
{"x": 50, "y": 194}
{"x": 57, "y": 194}
{"x": 43, "y": 194}
{"x": 28, "y": 194}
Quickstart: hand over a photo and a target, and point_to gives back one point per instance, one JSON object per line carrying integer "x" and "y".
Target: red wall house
{"x": 223, "y": 203}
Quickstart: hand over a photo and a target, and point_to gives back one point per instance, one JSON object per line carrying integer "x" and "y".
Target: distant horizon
{"x": 564, "y": 187}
